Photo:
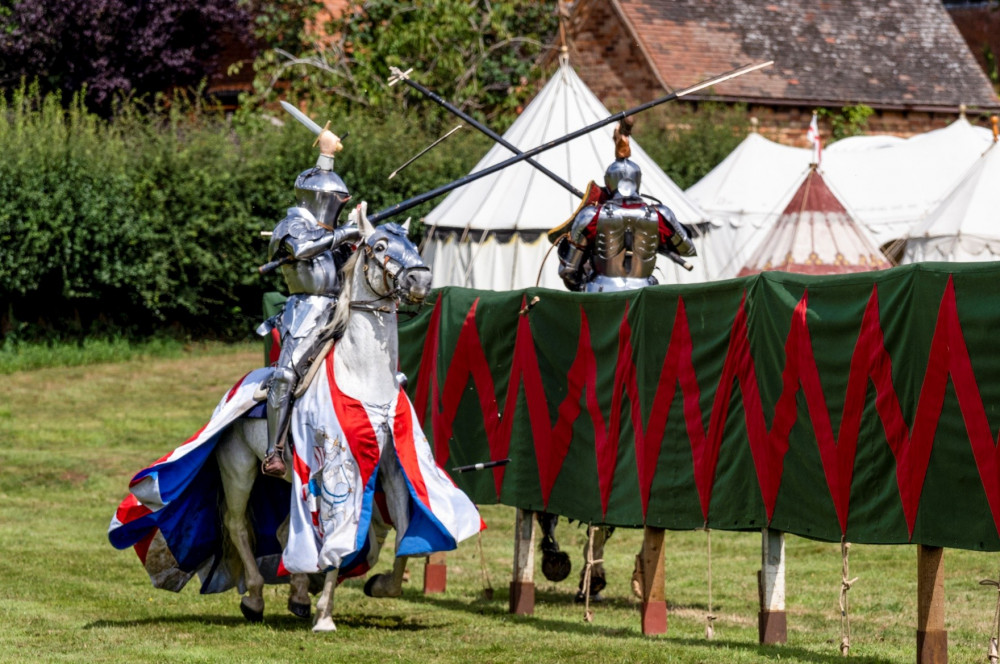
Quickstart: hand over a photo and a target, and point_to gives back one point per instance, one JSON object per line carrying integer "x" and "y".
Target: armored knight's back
{"x": 625, "y": 241}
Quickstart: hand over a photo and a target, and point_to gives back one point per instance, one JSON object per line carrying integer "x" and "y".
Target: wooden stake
{"x": 772, "y": 624}
{"x": 654, "y": 600}
{"x": 522, "y": 586}
{"x": 932, "y": 638}
{"x": 436, "y": 573}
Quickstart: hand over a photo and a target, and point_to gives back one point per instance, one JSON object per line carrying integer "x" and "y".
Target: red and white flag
{"x": 815, "y": 140}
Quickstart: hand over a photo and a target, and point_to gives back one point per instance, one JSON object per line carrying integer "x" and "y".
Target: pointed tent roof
{"x": 816, "y": 235}
{"x": 520, "y": 198}
{"x": 965, "y": 226}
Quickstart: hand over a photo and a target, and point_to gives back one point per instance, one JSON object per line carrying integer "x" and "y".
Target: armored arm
{"x": 574, "y": 251}
{"x": 674, "y": 236}
{"x": 303, "y": 243}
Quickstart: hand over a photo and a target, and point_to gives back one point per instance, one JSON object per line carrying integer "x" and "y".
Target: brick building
{"x": 904, "y": 59}
{"x": 979, "y": 23}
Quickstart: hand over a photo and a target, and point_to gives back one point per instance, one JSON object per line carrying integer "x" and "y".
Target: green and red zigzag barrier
{"x": 864, "y": 405}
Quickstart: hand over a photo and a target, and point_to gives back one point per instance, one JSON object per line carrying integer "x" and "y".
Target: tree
{"x": 475, "y": 53}
{"x": 115, "y": 47}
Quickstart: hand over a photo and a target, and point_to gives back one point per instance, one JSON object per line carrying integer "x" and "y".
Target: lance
{"x": 480, "y": 466}
{"x": 423, "y": 152}
{"x": 398, "y": 75}
{"x": 434, "y": 193}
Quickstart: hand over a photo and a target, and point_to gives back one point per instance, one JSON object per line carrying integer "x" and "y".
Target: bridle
{"x": 390, "y": 271}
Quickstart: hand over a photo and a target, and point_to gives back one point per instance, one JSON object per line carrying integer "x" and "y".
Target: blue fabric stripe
{"x": 361, "y": 542}
{"x": 425, "y": 533}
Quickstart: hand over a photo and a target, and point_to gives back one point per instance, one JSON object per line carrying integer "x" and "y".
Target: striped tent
{"x": 815, "y": 234}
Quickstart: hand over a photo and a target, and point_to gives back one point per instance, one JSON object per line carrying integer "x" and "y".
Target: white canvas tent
{"x": 965, "y": 226}
{"x": 490, "y": 233}
{"x": 887, "y": 184}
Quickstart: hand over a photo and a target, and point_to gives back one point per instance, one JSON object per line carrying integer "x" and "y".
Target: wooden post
{"x": 932, "y": 639}
{"x": 772, "y": 624}
{"x": 654, "y": 600}
{"x": 435, "y": 573}
{"x": 522, "y": 587}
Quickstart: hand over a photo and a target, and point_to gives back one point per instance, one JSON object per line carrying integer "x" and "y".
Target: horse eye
{"x": 381, "y": 246}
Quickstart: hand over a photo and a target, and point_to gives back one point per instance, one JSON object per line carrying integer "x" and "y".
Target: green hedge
{"x": 152, "y": 221}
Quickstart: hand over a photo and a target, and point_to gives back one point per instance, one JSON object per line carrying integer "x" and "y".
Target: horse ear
{"x": 406, "y": 225}
{"x": 364, "y": 225}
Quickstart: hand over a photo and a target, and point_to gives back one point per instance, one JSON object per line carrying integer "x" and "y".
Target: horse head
{"x": 392, "y": 265}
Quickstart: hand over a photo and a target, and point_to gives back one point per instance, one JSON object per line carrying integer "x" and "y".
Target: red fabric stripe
{"x": 141, "y": 547}
{"x": 426, "y": 377}
{"x": 131, "y": 509}
{"x": 232, "y": 392}
{"x": 356, "y": 426}
{"x": 275, "y": 352}
{"x": 166, "y": 457}
{"x": 402, "y": 429}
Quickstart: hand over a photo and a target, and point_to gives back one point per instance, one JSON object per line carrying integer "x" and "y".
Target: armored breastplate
{"x": 626, "y": 241}
{"x": 315, "y": 276}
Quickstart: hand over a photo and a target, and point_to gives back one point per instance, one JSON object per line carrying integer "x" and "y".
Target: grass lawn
{"x": 72, "y": 438}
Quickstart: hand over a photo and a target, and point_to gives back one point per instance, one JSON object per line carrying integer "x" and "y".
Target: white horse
{"x": 386, "y": 268}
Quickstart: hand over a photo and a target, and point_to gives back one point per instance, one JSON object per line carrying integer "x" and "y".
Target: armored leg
{"x": 279, "y": 408}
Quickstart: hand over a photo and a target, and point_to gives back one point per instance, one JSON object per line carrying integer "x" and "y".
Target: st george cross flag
{"x": 815, "y": 140}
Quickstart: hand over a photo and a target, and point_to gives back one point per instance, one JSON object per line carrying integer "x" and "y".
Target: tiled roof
{"x": 884, "y": 53}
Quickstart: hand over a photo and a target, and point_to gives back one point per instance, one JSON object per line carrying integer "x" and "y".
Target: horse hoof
{"x": 325, "y": 625}
{"x": 251, "y": 614}
{"x": 597, "y": 584}
{"x": 556, "y": 565}
{"x": 300, "y": 610}
{"x": 369, "y": 584}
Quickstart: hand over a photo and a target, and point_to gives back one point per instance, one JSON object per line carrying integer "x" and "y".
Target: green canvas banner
{"x": 864, "y": 406}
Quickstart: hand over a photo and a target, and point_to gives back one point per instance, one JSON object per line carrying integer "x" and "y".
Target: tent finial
{"x": 961, "y": 111}
{"x": 562, "y": 8}
{"x": 754, "y": 122}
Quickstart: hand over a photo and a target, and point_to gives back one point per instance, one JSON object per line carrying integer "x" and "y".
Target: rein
{"x": 393, "y": 291}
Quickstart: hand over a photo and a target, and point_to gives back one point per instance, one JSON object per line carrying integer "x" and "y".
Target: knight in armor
{"x": 610, "y": 244}
{"x": 612, "y": 241}
{"x": 311, "y": 249}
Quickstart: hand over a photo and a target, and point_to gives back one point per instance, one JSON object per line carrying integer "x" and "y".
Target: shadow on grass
{"x": 498, "y": 607}
{"x": 286, "y": 623}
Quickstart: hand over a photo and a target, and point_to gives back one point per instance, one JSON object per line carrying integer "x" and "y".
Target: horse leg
{"x": 299, "y": 602}
{"x": 556, "y": 564}
{"x": 388, "y": 585}
{"x": 238, "y": 470}
{"x": 597, "y": 578}
{"x": 324, "y": 605}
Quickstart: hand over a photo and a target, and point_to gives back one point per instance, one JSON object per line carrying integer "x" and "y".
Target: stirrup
{"x": 274, "y": 465}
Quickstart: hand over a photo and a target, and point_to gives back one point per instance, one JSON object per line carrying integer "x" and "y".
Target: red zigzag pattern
{"x": 870, "y": 361}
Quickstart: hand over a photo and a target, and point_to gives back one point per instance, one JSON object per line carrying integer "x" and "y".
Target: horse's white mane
{"x": 343, "y": 311}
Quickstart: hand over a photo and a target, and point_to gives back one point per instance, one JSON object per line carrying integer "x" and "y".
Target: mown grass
{"x": 74, "y": 435}
{"x": 26, "y": 356}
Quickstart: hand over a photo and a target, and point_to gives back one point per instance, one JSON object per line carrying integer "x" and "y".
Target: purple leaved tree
{"x": 113, "y": 47}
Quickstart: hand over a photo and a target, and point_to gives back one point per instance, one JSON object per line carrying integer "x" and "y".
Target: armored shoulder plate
{"x": 581, "y": 221}
{"x": 296, "y": 228}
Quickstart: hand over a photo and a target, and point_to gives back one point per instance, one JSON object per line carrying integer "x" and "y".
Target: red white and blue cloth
{"x": 335, "y": 504}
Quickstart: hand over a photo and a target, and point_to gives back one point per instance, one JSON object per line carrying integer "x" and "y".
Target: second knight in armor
{"x": 612, "y": 242}
{"x": 312, "y": 249}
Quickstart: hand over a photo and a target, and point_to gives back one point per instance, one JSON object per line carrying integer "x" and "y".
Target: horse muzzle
{"x": 415, "y": 283}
